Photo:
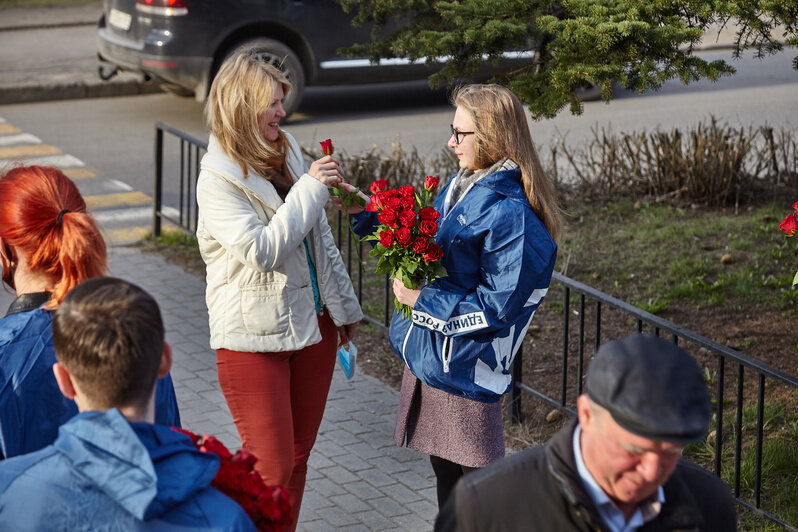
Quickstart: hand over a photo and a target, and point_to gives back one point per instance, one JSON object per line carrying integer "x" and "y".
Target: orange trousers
{"x": 277, "y": 401}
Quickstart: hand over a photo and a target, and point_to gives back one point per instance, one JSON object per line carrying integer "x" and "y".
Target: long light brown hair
{"x": 501, "y": 131}
{"x": 243, "y": 89}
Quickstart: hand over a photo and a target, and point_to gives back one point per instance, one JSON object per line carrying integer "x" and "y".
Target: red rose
{"x": 433, "y": 253}
{"x": 393, "y": 203}
{"x": 388, "y": 217}
{"x": 428, "y": 227}
{"x": 428, "y": 213}
{"x": 376, "y": 203}
{"x": 431, "y": 183}
{"x": 403, "y": 236}
{"x": 195, "y": 438}
{"x": 420, "y": 245}
{"x": 326, "y": 147}
{"x": 379, "y": 185}
{"x": 408, "y": 202}
{"x": 790, "y": 224}
{"x": 245, "y": 459}
{"x": 211, "y": 445}
{"x": 386, "y": 239}
{"x": 407, "y": 190}
{"x": 407, "y": 219}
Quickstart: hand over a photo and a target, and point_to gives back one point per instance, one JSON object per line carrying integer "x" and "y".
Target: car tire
{"x": 281, "y": 56}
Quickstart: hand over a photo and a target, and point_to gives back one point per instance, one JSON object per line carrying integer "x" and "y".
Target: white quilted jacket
{"x": 259, "y": 293}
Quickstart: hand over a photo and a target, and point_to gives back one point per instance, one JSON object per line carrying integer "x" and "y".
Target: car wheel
{"x": 281, "y": 56}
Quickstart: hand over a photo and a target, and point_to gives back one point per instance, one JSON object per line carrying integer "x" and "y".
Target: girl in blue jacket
{"x": 498, "y": 229}
{"x": 48, "y": 244}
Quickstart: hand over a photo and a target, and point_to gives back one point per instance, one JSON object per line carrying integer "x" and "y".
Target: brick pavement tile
{"x": 341, "y": 437}
{"x": 354, "y": 427}
{"x": 350, "y": 503}
{"x": 351, "y": 461}
{"x": 375, "y": 520}
{"x": 197, "y": 385}
{"x": 326, "y": 488}
{"x": 424, "y": 509}
{"x": 208, "y": 375}
{"x": 401, "y": 493}
{"x": 364, "y": 490}
{"x": 338, "y": 474}
{"x": 337, "y": 517}
{"x": 375, "y": 477}
{"x": 412, "y": 480}
{"x": 414, "y": 523}
{"x": 389, "y": 465}
{"x": 329, "y": 448}
{"x": 319, "y": 525}
{"x": 364, "y": 450}
{"x": 430, "y": 493}
{"x": 314, "y": 500}
{"x": 389, "y": 507}
{"x": 317, "y": 460}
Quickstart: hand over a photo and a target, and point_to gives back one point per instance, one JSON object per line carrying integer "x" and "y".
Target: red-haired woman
{"x": 48, "y": 245}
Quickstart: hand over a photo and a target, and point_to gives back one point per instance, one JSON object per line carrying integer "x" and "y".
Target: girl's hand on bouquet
{"x": 352, "y": 207}
{"x": 406, "y": 296}
{"x": 326, "y": 170}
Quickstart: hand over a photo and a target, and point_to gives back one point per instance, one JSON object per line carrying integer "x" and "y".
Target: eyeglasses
{"x": 459, "y": 136}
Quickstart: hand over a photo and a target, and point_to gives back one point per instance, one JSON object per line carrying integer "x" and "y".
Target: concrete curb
{"x": 77, "y": 90}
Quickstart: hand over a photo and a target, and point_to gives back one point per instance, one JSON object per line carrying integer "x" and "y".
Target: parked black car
{"x": 181, "y": 43}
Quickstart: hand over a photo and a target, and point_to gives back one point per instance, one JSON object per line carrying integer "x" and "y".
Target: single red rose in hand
{"x": 388, "y": 217}
{"x": 428, "y": 213}
{"x": 428, "y": 227}
{"x": 420, "y": 245}
{"x": 431, "y": 183}
{"x": 326, "y": 147}
{"x": 407, "y": 219}
{"x": 403, "y": 236}
{"x": 434, "y": 252}
{"x": 790, "y": 224}
{"x": 408, "y": 202}
{"x": 379, "y": 185}
{"x": 386, "y": 239}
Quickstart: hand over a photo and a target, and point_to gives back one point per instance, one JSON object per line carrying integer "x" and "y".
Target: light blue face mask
{"x": 347, "y": 359}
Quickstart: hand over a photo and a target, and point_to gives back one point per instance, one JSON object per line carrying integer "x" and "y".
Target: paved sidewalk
{"x": 357, "y": 479}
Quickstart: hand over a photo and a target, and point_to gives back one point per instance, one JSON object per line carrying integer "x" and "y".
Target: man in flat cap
{"x": 618, "y": 467}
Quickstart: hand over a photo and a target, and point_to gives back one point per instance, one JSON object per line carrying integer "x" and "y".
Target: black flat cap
{"x": 651, "y": 387}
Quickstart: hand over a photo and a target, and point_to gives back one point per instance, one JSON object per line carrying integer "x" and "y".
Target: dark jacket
{"x": 31, "y": 405}
{"x": 103, "y": 473}
{"x": 540, "y": 489}
{"x": 468, "y": 326}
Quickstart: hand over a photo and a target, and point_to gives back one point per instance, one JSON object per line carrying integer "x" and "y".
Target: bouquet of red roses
{"x": 406, "y": 234}
{"x": 790, "y": 227}
{"x": 267, "y": 506}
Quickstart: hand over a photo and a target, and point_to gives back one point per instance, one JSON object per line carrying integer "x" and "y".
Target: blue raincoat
{"x": 31, "y": 405}
{"x": 468, "y": 326}
{"x": 103, "y": 473}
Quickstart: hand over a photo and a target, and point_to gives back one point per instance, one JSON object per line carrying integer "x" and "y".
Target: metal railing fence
{"x": 730, "y": 397}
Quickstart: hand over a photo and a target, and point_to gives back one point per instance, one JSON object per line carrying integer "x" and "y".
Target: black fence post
{"x": 158, "y": 186}
{"x": 514, "y": 407}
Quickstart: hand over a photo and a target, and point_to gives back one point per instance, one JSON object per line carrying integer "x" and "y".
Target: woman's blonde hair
{"x": 243, "y": 89}
{"x": 501, "y": 131}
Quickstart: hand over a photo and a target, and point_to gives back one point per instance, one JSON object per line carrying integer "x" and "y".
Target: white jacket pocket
{"x": 265, "y": 309}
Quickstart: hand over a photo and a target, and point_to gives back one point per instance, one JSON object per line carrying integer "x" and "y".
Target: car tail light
{"x": 164, "y": 8}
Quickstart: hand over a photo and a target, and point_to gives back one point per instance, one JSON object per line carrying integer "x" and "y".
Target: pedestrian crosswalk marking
{"x": 126, "y": 235}
{"x": 14, "y": 152}
{"x": 21, "y": 138}
{"x": 118, "y": 199}
{"x": 131, "y": 214}
{"x": 79, "y": 173}
{"x": 59, "y": 161}
{"x": 7, "y": 129}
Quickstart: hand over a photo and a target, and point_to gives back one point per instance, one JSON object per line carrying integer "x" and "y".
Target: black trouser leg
{"x": 447, "y": 474}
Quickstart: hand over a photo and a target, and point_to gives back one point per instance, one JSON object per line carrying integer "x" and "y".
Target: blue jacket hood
{"x": 147, "y": 469}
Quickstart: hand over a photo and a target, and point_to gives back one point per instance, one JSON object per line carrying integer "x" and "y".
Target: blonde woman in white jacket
{"x": 279, "y": 298}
